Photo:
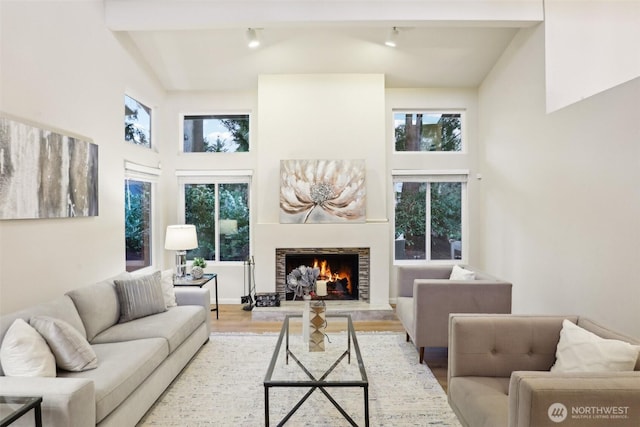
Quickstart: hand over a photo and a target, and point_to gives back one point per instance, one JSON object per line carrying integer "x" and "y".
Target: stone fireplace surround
{"x": 363, "y": 266}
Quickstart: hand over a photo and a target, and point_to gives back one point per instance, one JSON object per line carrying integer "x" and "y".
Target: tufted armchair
{"x": 426, "y": 297}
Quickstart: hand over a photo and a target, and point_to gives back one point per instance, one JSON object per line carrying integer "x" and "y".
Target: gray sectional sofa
{"x": 137, "y": 359}
{"x": 500, "y": 375}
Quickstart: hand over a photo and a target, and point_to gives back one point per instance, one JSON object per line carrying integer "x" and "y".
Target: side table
{"x": 189, "y": 281}
{"x": 14, "y": 407}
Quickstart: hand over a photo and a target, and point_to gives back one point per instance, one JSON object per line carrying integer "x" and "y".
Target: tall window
{"x": 137, "y": 122}
{"x": 137, "y": 219}
{"x": 427, "y": 131}
{"x": 219, "y": 208}
{"x": 429, "y": 217}
{"x": 216, "y": 133}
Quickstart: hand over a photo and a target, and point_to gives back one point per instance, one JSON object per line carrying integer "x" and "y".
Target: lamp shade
{"x": 181, "y": 237}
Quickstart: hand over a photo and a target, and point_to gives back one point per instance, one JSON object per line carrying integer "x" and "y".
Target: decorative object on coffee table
{"x": 197, "y": 269}
{"x": 317, "y": 325}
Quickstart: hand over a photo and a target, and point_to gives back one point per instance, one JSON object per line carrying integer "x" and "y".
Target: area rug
{"x": 223, "y": 386}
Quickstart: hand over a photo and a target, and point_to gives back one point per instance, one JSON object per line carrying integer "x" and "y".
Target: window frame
{"x": 209, "y": 114}
{"x": 217, "y": 178}
{"x": 140, "y": 173}
{"x": 433, "y": 176}
{"x": 463, "y": 129}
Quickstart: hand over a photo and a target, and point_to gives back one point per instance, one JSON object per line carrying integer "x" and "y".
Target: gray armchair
{"x": 426, "y": 297}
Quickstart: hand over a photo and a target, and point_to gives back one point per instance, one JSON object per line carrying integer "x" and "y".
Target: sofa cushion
{"x": 140, "y": 296}
{"x": 122, "y": 367}
{"x": 459, "y": 273}
{"x": 24, "y": 353}
{"x": 485, "y": 400}
{"x": 168, "y": 291}
{"x": 582, "y": 351}
{"x": 174, "y": 325}
{"x": 70, "y": 348}
{"x": 98, "y": 305}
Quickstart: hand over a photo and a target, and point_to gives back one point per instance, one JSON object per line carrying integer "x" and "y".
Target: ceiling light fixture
{"x": 252, "y": 37}
{"x": 392, "y": 39}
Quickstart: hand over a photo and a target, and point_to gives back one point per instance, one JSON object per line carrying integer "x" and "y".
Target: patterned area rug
{"x": 223, "y": 386}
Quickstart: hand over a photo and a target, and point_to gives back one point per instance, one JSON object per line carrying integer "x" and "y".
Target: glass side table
{"x": 14, "y": 407}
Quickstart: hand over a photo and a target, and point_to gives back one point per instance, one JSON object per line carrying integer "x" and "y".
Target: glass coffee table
{"x": 328, "y": 372}
{"x": 14, "y": 407}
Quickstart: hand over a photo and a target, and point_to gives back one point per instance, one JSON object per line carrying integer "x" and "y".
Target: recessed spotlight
{"x": 252, "y": 38}
{"x": 392, "y": 39}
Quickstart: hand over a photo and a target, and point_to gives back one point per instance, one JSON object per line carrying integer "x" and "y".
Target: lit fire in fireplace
{"x": 338, "y": 281}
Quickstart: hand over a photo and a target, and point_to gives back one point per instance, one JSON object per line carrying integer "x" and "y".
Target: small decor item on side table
{"x": 197, "y": 269}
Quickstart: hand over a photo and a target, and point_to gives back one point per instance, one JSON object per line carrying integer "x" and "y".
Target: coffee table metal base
{"x": 314, "y": 383}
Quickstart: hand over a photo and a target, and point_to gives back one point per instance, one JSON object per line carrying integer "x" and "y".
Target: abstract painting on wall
{"x": 322, "y": 191}
{"x": 45, "y": 174}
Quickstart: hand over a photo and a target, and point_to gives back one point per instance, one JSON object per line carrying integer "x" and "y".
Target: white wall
{"x": 590, "y": 46}
{"x": 561, "y": 205}
{"x": 62, "y": 68}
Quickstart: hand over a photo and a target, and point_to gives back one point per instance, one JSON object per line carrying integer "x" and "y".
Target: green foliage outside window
{"x": 137, "y": 220}
{"x": 427, "y": 132}
{"x": 200, "y": 202}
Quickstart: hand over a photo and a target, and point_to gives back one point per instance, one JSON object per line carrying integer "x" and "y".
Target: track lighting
{"x": 252, "y": 38}
{"x": 393, "y": 37}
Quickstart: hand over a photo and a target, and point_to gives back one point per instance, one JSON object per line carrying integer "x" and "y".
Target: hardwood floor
{"x": 232, "y": 318}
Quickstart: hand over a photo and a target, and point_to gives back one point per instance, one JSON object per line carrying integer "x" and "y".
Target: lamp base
{"x": 181, "y": 264}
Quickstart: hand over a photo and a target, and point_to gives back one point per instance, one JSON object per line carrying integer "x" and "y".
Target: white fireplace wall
{"x": 328, "y": 116}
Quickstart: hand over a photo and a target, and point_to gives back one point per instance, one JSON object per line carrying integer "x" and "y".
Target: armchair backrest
{"x": 407, "y": 274}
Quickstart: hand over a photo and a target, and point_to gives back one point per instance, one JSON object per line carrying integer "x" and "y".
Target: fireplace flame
{"x": 343, "y": 275}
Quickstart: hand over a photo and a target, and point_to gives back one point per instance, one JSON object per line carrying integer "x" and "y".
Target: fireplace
{"x": 346, "y": 270}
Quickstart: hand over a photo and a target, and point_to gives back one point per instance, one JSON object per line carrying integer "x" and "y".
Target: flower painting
{"x": 322, "y": 191}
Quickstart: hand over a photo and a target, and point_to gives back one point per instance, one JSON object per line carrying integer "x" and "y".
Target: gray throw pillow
{"x": 71, "y": 350}
{"x": 140, "y": 297}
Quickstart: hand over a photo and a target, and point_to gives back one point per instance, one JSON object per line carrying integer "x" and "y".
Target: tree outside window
{"x": 222, "y": 133}
{"x": 427, "y": 131}
{"x": 428, "y": 220}
{"x": 220, "y": 212}
{"x": 137, "y": 122}
{"x": 137, "y": 218}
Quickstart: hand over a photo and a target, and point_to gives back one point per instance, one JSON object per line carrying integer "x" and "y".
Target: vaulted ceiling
{"x": 202, "y": 45}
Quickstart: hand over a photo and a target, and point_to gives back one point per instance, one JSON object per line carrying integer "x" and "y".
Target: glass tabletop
{"x": 13, "y": 407}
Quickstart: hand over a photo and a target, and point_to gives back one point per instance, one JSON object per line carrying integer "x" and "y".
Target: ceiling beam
{"x": 158, "y": 15}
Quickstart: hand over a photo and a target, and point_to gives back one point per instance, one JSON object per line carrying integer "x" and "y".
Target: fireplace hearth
{"x": 346, "y": 270}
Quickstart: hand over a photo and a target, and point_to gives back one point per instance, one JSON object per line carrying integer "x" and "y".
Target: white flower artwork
{"x": 322, "y": 191}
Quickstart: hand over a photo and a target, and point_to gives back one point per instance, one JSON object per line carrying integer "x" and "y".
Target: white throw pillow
{"x": 71, "y": 350}
{"x": 459, "y": 273}
{"x": 168, "y": 291}
{"x": 24, "y": 353}
{"x": 582, "y": 351}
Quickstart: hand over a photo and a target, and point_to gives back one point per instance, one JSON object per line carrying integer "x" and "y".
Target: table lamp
{"x": 181, "y": 238}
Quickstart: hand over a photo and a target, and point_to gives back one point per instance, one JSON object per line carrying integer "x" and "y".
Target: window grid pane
{"x": 137, "y": 224}
{"x": 137, "y": 122}
{"x": 427, "y": 131}
{"x": 216, "y": 133}
{"x": 200, "y": 206}
{"x": 234, "y": 222}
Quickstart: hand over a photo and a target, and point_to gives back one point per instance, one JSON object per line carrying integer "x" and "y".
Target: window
{"x": 137, "y": 219}
{"x": 137, "y": 122}
{"x": 216, "y": 133}
{"x": 427, "y": 131}
{"x": 139, "y": 186}
{"x": 219, "y": 208}
{"x": 429, "y": 216}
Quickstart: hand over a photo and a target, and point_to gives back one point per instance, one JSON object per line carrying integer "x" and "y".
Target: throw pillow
{"x": 24, "y": 353}
{"x": 168, "y": 290}
{"x": 459, "y": 273}
{"x": 140, "y": 297}
{"x": 71, "y": 350}
{"x": 582, "y": 351}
